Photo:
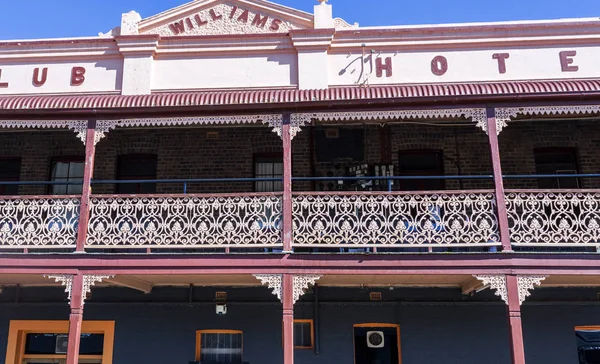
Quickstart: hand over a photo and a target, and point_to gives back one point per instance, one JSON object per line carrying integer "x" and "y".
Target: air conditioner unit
{"x": 62, "y": 343}
{"x": 375, "y": 339}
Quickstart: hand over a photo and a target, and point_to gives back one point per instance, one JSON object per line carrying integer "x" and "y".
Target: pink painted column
{"x": 84, "y": 207}
{"x": 75, "y": 319}
{"x": 287, "y": 183}
{"x": 287, "y": 293}
{"x": 514, "y": 320}
{"x": 498, "y": 183}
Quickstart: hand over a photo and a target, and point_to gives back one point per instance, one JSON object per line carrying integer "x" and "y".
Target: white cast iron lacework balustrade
{"x": 395, "y": 219}
{"x": 185, "y": 221}
{"x": 557, "y": 218}
{"x": 38, "y": 222}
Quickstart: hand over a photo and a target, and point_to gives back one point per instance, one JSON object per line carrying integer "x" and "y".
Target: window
{"x": 377, "y": 343}
{"x": 268, "y": 167}
{"x": 222, "y": 346}
{"x": 67, "y": 170}
{"x": 588, "y": 344}
{"x": 137, "y": 167}
{"x": 46, "y": 342}
{"x": 421, "y": 163}
{"x": 10, "y": 171}
{"x": 303, "y": 334}
{"x": 556, "y": 161}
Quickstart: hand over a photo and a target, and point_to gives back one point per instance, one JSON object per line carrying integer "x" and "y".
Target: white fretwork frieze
{"x": 88, "y": 281}
{"x": 506, "y": 114}
{"x": 302, "y": 283}
{"x": 274, "y": 121}
{"x": 526, "y": 283}
{"x": 78, "y": 126}
{"x": 272, "y": 281}
{"x": 477, "y": 115}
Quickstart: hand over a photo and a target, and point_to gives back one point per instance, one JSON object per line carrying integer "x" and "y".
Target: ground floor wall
{"x": 431, "y": 332}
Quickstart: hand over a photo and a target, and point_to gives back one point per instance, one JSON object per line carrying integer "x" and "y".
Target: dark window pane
{"x": 268, "y": 167}
{"x": 421, "y": 163}
{"x": 221, "y": 347}
{"x": 67, "y": 171}
{"x": 137, "y": 167}
{"x": 46, "y": 344}
{"x": 10, "y": 170}
{"x": 343, "y": 143}
{"x": 302, "y": 334}
{"x": 556, "y": 161}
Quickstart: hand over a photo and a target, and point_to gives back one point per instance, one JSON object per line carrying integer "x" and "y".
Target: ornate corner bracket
{"x": 272, "y": 281}
{"x": 495, "y": 282}
{"x": 301, "y": 284}
{"x": 526, "y": 283}
{"x": 102, "y": 128}
{"x": 88, "y": 281}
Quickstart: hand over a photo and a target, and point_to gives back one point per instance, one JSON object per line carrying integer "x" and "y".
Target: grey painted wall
{"x": 465, "y": 333}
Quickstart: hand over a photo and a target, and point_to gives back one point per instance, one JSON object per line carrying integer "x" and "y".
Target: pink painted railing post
{"x": 75, "y": 319}
{"x": 498, "y": 183}
{"x": 287, "y": 183}
{"x": 287, "y": 288}
{"x": 514, "y": 320}
{"x": 84, "y": 207}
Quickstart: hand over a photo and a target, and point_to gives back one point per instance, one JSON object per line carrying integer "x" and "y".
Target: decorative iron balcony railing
{"x": 554, "y": 218}
{"x": 38, "y": 222}
{"x": 420, "y": 219}
{"x": 185, "y": 221}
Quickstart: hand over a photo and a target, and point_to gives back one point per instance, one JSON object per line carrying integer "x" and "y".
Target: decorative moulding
{"x": 526, "y": 283}
{"x": 88, "y": 281}
{"x": 505, "y": 114}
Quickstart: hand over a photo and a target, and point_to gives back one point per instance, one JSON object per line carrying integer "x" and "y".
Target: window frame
{"x": 18, "y": 329}
{"x": 65, "y": 159}
{"x": 262, "y": 158}
{"x": 408, "y": 152}
{"x": 19, "y": 160}
{"x": 131, "y": 156}
{"x": 214, "y": 331}
{"x": 312, "y": 334}
{"x": 376, "y": 325}
{"x": 555, "y": 150}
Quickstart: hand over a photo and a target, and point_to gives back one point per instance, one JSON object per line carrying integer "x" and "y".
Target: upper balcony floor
{"x": 377, "y": 186}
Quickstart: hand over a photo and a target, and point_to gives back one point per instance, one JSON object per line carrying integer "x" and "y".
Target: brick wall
{"x": 189, "y": 152}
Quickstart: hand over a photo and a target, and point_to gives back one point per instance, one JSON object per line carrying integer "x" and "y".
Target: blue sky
{"x": 24, "y": 19}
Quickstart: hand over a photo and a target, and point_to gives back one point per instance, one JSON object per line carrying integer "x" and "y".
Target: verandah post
{"x": 498, "y": 182}
{"x": 287, "y": 183}
{"x": 75, "y": 319}
{"x": 84, "y": 210}
{"x": 288, "y": 318}
{"x": 514, "y": 320}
